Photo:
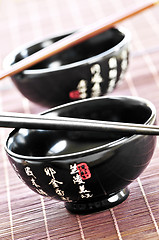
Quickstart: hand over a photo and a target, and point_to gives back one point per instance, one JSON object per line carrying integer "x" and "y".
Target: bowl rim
{"x": 108, "y": 146}
{"x": 11, "y": 56}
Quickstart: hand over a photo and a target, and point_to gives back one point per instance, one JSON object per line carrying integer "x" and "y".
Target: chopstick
{"x": 74, "y": 39}
{"x": 18, "y": 120}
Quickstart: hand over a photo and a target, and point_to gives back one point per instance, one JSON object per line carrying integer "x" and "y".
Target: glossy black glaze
{"x": 87, "y": 172}
{"x": 89, "y": 69}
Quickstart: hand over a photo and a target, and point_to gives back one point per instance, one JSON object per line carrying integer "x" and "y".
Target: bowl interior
{"x": 41, "y": 143}
{"x": 92, "y": 47}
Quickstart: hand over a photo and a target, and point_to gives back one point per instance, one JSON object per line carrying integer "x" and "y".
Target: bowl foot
{"x": 98, "y": 204}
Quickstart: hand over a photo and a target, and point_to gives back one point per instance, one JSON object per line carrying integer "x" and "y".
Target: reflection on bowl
{"x": 90, "y": 171}
{"x": 90, "y": 69}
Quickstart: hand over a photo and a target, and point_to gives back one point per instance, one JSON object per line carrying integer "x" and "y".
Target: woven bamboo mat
{"x": 25, "y": 215}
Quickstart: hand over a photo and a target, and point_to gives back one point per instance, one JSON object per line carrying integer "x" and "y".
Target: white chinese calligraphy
{"x": 51, "y": 173}
{"x": 82, "y": 89}
{"x": 29, "y": 172}
{"x": 77, "y": 179}
{"x": 112, "y": 64}
{"x": 73, "y": 169}
{"x": 96, "y": 80}
{"x": 124, "y": 63}
{"x": 33, "y": 179}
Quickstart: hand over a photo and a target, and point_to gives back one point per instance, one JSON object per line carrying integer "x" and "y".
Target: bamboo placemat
{"x": 25, "y": 215}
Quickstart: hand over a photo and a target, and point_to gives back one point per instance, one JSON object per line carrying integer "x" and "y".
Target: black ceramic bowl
{"x": 89, "y": 171}
{"x": 90, "y": 69}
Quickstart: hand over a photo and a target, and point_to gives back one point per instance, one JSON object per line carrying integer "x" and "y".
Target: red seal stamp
{"x": 84, "y": 171}
{"x": 74, "y": 94}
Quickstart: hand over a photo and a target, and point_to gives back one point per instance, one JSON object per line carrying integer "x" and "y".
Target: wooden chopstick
{"x": 74, "y": 39}
{"x": 17, "y": 120}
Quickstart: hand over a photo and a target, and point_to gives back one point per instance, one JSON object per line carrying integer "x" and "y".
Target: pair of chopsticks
{"x": 19, "y": 120}
{"x": 74, "y": 39}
